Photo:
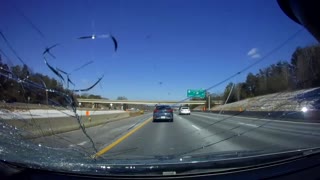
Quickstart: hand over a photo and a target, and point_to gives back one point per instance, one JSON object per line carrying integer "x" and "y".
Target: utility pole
{"x": 209, "y": 103}
{"x": 47, "y": 97}
{"x": 46, "y": 89}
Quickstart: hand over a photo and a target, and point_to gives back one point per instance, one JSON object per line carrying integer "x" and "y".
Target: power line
{"x": 28, "y": 21}
{"x": 10, "y": 47}
{"x": 262, "y": 59}
{"x": 253, "y": 64}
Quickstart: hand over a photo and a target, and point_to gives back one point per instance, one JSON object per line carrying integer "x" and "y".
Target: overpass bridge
{"x": 142, "y": 102}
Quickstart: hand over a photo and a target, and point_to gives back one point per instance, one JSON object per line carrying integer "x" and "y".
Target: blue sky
{"x": 185, "y": 44}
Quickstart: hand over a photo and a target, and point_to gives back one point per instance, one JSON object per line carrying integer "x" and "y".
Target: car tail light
{"x": 156, "y": 110}
{"x": 170, "y": 110}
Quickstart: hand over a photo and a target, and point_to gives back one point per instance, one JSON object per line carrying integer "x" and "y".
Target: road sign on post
{"x": 196, "y": 93}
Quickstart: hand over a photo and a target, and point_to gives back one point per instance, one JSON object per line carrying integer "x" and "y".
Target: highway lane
{"x": 207, "y": 133}
{"x": 101, "y": 135}
{"x": 189, "y": 134}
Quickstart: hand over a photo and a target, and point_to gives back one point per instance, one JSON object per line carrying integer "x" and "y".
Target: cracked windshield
{"x": 85, "y": 84}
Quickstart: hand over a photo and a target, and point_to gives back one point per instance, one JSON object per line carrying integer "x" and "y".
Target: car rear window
{"x": 163, "y": 107}
{"x": 185, "y": 108}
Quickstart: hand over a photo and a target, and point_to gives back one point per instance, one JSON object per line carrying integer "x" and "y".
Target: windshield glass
{"x": 80, "y": 82}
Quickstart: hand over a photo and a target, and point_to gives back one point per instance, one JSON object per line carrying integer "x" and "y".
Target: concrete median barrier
{"x": 38, "y": 127}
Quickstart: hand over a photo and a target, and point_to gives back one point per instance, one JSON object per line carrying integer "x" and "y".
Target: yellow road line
{"x": 112, "y": 145}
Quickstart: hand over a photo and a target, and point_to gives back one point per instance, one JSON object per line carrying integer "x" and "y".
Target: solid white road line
{"x": 195, "y": 127}
{"x": 260, "y": 119}
{"x": 246, "y": 124}
{"x": 211, "y": 117}
{"x": 82, "y": 143}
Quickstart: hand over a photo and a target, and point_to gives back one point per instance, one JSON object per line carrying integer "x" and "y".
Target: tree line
{"x": 303, "y": 71}
{"x": 89, "y": 96}
{"x": 19, "y": 84}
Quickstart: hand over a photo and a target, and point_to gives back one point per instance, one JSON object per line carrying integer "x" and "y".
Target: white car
{"x": 184, "y": 110}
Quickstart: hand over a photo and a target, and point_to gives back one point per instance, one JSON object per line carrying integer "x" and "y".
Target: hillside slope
{"x": 284, "y": 101}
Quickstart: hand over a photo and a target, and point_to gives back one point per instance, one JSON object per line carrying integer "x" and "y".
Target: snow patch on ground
{"x": 43, "y": 113}
{"x": 284, "y": 101}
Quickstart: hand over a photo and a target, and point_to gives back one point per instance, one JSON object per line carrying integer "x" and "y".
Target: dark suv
{"x": 163, "y": 112}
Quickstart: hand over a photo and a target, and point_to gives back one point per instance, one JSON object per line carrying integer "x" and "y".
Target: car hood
{"x": 69, "y": 160}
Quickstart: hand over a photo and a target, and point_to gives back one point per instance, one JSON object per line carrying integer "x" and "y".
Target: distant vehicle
{"x": 163, "y": 112}
{"x": 184, "y": 110}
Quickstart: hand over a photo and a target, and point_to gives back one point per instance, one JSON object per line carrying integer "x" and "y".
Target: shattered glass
{"x": 28, "y": 124}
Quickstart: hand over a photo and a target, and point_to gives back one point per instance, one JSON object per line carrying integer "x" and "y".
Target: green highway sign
{"x": 196, "y": 93}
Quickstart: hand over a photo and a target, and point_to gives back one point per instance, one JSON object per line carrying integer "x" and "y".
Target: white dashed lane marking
{"x": 82, "y": 143}
{"x": 251, "y": 125}
{"x": 196, "y": 127}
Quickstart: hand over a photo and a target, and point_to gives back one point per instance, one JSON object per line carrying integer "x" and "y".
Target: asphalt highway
{"x": 198, "y": 133}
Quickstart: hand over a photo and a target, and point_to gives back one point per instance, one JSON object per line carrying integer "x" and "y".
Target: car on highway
{"x": 184, "y": 110}
{"x": 163, "y": 113}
